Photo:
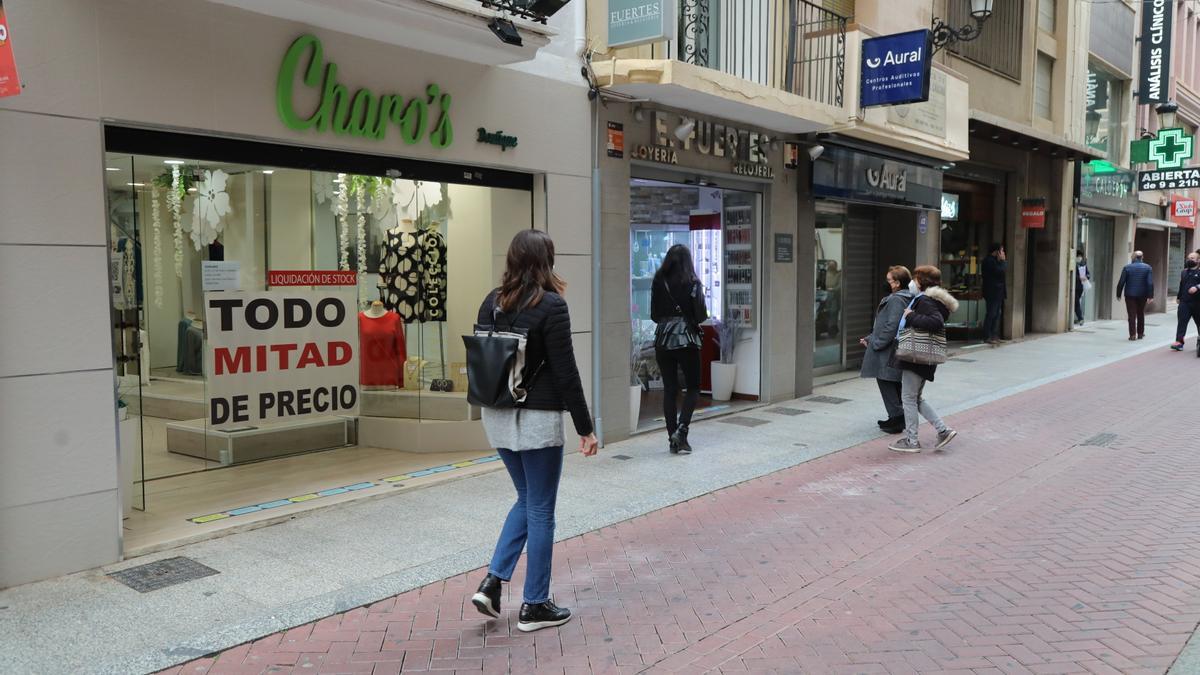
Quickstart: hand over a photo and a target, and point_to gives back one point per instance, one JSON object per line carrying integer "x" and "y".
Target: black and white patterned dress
{"x": 413, "y": 271}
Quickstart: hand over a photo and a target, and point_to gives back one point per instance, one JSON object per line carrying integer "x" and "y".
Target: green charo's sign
{"x": 363, "y": 114}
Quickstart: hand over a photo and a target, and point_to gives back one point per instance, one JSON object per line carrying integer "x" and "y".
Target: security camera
{"x": 816, "y": 151}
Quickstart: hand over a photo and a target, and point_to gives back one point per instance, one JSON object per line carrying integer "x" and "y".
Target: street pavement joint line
{"x": 889, "y": 556}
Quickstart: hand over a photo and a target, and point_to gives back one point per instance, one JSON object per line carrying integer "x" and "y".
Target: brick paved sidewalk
{"x": 1059, "y": 534}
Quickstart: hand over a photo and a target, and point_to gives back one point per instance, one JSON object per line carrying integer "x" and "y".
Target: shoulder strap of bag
{"x": 679, "y": 309}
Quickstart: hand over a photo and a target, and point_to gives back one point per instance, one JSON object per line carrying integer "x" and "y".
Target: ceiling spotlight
{"x": 816, "y": 151}
{"x": 111, "y": 168}
{"x": 995, "y": 137}
{"x": 268, "y": 171}
{"x": 172, "y": 162}
{"x": 506, "y": 31}
{"x": 136, "y": 184}
{"x": 947, "y": 166}
{"x": 684, "y": 130}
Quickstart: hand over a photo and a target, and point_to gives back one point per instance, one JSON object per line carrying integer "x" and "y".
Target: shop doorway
{"x": 1094, "y": 236}
{"x": 970, "y": 213}
{"x": 425, "y": 250}
{"x": 721, "y": 226}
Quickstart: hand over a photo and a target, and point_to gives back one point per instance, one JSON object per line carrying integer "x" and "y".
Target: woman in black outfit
{"x": 677, "y": 306}
{"x": 529, "y": 438}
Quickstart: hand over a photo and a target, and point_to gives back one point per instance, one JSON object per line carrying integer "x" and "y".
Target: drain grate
{"x": 621, "y": 457}
{"x": 744, "y": 421}
{"x": 790, "y": 412}
{"x": 834, "y": 400}
{"x": 959, "y": 358}
{"x": 162, "y": 573}
{"x": 1101, "y": 441}
{"x": 1084, "y": 332}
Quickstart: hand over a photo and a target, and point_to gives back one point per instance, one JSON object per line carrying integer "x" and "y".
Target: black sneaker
{"x": 487, "y": 598}
{"x": 674, "y": 442}
{"x": 542, "y": 615}
{"x": 681, "y": 437}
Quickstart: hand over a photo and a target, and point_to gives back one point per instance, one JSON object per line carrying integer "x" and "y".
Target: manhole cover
{"x": 162, "y": 573}
{"x": 790, "y": 412}
{"x": 622, "y": 457}
{"x": 828, "y": 399}
{"x": 1101, "y": 441}
{"x": 744, "y": 421}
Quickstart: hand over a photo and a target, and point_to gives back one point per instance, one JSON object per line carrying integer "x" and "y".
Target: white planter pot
{"x": 723, "y": 377}
{"x": 635, "y": 406}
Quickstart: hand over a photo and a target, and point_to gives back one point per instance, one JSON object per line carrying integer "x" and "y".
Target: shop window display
{"x": 720, "y": 227}
{"x": 967, "y": 231}
{"x": 425, "y": 253}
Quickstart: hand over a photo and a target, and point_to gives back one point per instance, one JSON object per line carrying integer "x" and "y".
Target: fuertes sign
{"x": 638, "y": 22}
{"x": 280, "y": 355}
{"x": 895, "y": 69}
{"x": 1154, "y": 75}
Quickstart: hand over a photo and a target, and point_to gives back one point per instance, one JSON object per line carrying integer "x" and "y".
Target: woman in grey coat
{"x": 881, "y": 344}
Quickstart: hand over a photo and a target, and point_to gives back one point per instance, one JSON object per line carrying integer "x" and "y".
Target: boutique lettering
{"x": 363, "y": 114}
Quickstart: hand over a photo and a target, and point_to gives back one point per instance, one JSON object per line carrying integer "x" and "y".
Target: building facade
{"x": 157, "y": 147}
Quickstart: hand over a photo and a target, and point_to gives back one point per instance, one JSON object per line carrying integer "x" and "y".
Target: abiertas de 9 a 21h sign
{"x": 895, "y": 69}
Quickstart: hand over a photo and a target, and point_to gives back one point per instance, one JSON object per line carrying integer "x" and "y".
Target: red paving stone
{"x": 1019, "y": 550}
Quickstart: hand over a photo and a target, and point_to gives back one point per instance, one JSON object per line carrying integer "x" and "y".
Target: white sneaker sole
{"x": 946, "y": 441}
{"x": 538, "y": 625}
{"x": 484, "y": 604}
{"x": 908, "y": 451}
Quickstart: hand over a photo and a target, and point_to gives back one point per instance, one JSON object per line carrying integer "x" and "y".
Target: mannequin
{"x": 382, "y": 348}
{"x": 376, "y": 310}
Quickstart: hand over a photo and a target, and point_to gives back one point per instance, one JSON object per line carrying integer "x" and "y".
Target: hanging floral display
{"x": 361, "y": 231}
{"x": 342, "y": 210}
{"x": 324, "y": 189}
{"x": 156, "y": 246}
{"x": 210, "y": 209}
{"x": 175, "y": 201}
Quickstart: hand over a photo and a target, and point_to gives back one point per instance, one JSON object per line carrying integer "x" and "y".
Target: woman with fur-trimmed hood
{"x": 928, "y": 312}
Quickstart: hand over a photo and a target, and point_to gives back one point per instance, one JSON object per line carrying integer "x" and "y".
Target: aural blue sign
{"x": 895, "y": 69}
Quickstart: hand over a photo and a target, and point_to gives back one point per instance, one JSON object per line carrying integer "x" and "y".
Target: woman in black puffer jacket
{"x": 529, "y": 438}
{"x": 927, "y": 312}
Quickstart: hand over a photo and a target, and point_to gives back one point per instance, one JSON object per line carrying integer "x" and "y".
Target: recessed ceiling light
{"x": 111, "y": 168}
{"x": 193, "y": 190}
{"x": 268, "y": 171}
{"x": 136, "y": 184}
{"x": 172, "y": 161}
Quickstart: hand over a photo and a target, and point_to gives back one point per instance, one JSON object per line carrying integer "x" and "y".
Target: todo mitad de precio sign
{"x": 364, "y": 113}
{"x": 280, "y": 355}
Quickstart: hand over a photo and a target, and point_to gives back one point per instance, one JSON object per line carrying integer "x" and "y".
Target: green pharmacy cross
{"x": 1170, "y": 149}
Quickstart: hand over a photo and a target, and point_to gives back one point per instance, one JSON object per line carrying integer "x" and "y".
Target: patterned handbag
{"x": 921, "y": 346}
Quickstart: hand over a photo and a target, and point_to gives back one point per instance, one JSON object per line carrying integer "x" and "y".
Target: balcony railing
{"x": 791, "y": 45}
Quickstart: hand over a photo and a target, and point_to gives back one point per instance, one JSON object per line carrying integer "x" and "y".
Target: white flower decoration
{"x": 323, "y": 187}
{"x": 403, "y": 196}
{"x": 211, "y": 207}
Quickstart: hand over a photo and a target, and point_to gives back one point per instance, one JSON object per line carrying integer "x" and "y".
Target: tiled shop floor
{"x": 1026, "y": 546}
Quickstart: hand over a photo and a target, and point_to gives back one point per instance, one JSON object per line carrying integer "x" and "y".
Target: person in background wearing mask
{"x": 995, "y": 290}
{"x": 881, "y": 347}
{"x": 1083, "y": 278}
{"x": 1189, "y": 300}
{"x": 1137, "y": 285}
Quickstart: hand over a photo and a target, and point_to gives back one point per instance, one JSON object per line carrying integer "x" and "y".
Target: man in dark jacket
{"x": 995, "y": 290}
{"x": 1189, "y": 300}
{"x": 1137, "y": 284}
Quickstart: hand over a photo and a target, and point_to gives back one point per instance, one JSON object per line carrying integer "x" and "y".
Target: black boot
{"x": 893, "y": 426}
{"x": 487, "y": 598}
{"x": 542, "y": 615}
{"x": 674, "y": 444}
{"x": 681, "y": 440}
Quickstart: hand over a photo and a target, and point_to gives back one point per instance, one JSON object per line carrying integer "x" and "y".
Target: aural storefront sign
{"x": 280, "y": 355}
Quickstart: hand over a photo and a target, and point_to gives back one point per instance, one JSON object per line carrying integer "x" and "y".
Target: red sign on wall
{"x": 311, "y": 278}
{"x": 10, "y": 84}
{"x": 1033, "y": 213}
{"x": 1183, "y": 212}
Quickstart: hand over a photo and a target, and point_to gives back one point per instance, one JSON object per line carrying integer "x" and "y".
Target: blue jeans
{"x": 530, "y": 522}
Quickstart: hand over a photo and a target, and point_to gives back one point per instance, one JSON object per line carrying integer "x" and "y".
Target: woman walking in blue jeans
{"x": 529, "y": 438}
